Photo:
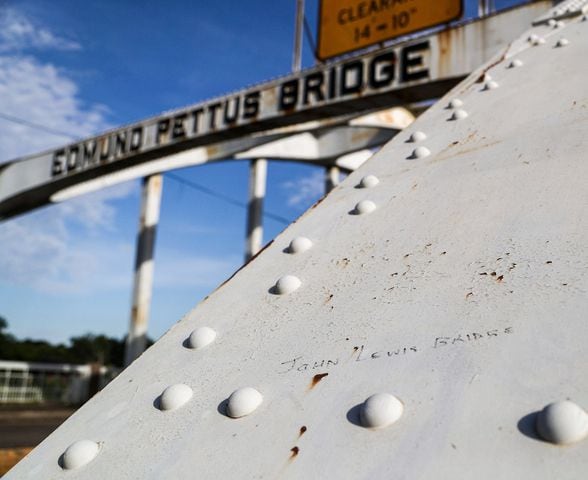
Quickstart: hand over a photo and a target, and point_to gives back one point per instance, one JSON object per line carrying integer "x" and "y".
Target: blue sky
{"x": 81, "y": 67}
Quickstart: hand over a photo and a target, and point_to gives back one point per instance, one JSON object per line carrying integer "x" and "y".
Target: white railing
{"x": 24, "y": 382}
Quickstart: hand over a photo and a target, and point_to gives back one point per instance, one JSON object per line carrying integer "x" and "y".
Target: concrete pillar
{"x": 257, "y": 182}
{"x": 143, "y": 282}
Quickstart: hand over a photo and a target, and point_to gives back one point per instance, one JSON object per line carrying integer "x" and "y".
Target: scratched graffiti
{"x": 363, "y": 353}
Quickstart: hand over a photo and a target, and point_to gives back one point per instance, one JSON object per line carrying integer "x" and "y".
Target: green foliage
{"x": 84, "y": 349}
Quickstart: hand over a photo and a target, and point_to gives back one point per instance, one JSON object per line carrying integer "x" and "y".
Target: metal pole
{"x": 485, "y": 7}
{"x": 332, "y": 178}
{"x": 150, "y": 203}
{"x": 257, "y": 182}
{"x": 297, "y": 55}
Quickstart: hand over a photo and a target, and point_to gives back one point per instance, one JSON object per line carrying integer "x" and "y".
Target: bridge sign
{"x": 347, "y": 25}
{"x": 415, "y": 70}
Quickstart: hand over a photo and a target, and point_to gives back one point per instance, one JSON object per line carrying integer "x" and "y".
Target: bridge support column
{"x": 332, "y": 178}
{"x": 257, "y": 182}
{"x": 143, "y": 282}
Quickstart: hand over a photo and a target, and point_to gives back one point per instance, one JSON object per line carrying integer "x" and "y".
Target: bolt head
{"x": 562, "y": 42}
{"x": 490, "y": 85}
{"x": 380, "y": 410}
{"x": 538, "y": 41}
{"x": 417, "y": 136}
{"x": 79, "y": 453}
{"x": 201, "y": 337}
{"x": 299, "y": 245}
{"x": 369, "y": 181}
{"x": 562, "y": 423}
{"x": 287, "y": 284}
{"x": 455, "y": 103}
{"x": 364, "y": 207}
{"x": 243, "y": 401}
{"x": 517, "y": 62}
{"x": 420, "y": 152}
{"x": 175, "y": 396}
{"x": 459, "y": 114}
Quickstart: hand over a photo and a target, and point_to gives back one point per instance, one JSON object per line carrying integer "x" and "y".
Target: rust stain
{"x": 302, "y": 430}
{"x": 316, "y": 379}
{"x": 295, "y": 451}
{"x": 212, "y": 150}
{"x": 357, "y": 136}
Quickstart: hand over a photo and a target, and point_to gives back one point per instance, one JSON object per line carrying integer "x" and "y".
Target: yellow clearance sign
{"x": 347, "y": 25}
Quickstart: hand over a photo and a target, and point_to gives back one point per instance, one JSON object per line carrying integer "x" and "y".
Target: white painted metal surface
{"x": 463, "y": 294}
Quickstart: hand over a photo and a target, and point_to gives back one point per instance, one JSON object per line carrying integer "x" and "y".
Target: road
{"x": 22, "y": 429}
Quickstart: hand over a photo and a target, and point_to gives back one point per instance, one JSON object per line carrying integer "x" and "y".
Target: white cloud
{"x": 41, "y": 251}
{"x": 73, "y": 247}
{"x": 38, "y": 93}
{"x": 65, "y": 247}
{"x": 18, "y": 33}
{"x": 41, "y": 94}
{"x": 304, "y": 191}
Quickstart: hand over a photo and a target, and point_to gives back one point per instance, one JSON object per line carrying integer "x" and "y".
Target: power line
{"x": 27, "y": 123}
{"x": 310, "y": 39}
{"x": 221, "y": 196}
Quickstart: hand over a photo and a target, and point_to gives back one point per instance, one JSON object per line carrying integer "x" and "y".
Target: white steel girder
{"x": 449, "y": 271}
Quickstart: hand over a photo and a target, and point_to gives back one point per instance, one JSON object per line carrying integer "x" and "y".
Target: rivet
{"x": 299, "y": 245}
{"x": 455, "y": 103}
{"x": 562, "y": 423}
{"x": 486, "y": 77}
{"x": 491, "y": 85}
{"x": 79, "y": 453}
{"x": 517, "y": 62}
{"x": 175, "y": 396}
{"x": 562, "y": 42}
{"x": 538, "y": 41}
{"x": 365, "y": 206}
{"x": 287, "y": 284}
{"x": 420, "y": 152}
{"x": 459, "y": 114}
{"x": 559, "y": 24}
{"x": 243, "y": 401}
{"x": 201, "y": 337}
{"x": 417, "y": 136}
{"x": 380, "y": 410}
{"x": 369, "y": 181}
{"x": 533, "y": 38}
{"x": 551, "y": 22}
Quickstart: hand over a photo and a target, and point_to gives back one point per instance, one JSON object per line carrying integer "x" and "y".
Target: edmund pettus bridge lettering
{"x": 262, "y": 106}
